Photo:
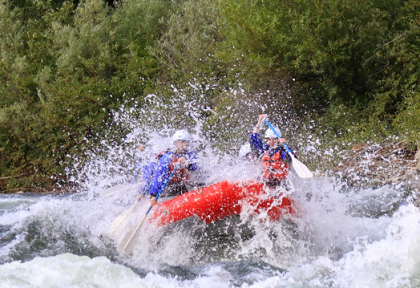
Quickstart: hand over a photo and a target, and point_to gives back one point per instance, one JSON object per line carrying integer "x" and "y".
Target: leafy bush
{"x": 344, "y": 71}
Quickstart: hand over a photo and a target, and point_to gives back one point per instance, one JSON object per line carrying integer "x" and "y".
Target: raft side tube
{"x": 219, "y": 200}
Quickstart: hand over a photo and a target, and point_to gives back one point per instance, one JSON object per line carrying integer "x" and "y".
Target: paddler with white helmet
{"x": 275, "y": 160}
{"x": 181, "y": 157}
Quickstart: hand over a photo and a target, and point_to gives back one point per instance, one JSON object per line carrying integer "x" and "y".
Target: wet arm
{"x": 287, "y": 157}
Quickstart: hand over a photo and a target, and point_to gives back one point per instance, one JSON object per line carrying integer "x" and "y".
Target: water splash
{"x": 338, "y": 233}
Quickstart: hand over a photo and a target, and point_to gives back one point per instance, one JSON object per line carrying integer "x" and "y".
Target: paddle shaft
{"x": 135, "y": 170}
{"x": 300, "y": 168}
{"x": 117, "y": 222}
{"x": 148, "y": 210}
{"x": 166, "y": 183}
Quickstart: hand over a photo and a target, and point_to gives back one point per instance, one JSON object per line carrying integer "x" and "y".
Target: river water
{"x": 342, "y": 238}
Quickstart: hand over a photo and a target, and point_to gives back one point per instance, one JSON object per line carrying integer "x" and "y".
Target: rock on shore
{"x": 375, "y": 165}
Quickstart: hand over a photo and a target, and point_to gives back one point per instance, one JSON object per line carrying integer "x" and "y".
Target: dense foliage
{"x": 351, "y": 67}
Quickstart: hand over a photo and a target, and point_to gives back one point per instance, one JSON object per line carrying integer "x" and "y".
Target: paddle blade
{"x": 128, "y": 243}
{"x": 301, "y": 170}
{"x": 120, "y": 222}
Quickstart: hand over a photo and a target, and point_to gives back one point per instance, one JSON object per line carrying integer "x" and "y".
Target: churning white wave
{"x": 337, "y": 245}
{"x": 341, "y": 238}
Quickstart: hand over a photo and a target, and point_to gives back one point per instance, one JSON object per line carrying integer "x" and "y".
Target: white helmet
{"x": 181, "y": 135}
{"x": 269, "y": 133}
{"x": 245, "y": 149}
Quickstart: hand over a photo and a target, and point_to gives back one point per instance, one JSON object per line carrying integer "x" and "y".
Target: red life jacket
{"x": 274, "y": 167}
{"x": 180, "y": 174}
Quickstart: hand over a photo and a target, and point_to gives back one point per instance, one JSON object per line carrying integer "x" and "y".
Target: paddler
{"x": 275, "y": 160}
{"x": 181, "y": 157}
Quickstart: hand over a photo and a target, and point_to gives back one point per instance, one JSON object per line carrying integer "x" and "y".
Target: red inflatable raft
{"x": 219, "y": 200}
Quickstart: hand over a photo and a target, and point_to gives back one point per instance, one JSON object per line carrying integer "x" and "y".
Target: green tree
{"x": 65, "y": 68}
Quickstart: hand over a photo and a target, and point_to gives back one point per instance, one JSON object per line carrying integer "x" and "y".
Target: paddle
{"x": 127, "y": 244}
{"x": 117, "y": 222}
{"x": 301, "y": 170}
{"x": 135, "y": 170}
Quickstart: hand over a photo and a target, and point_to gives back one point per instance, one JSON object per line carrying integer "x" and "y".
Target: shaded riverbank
{"x": 394, "y": 164}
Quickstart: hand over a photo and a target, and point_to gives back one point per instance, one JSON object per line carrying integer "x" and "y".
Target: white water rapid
{"x": 341, "y": 237}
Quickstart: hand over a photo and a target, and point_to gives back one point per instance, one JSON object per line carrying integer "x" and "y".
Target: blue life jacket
{"x": 156, "y": 173}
